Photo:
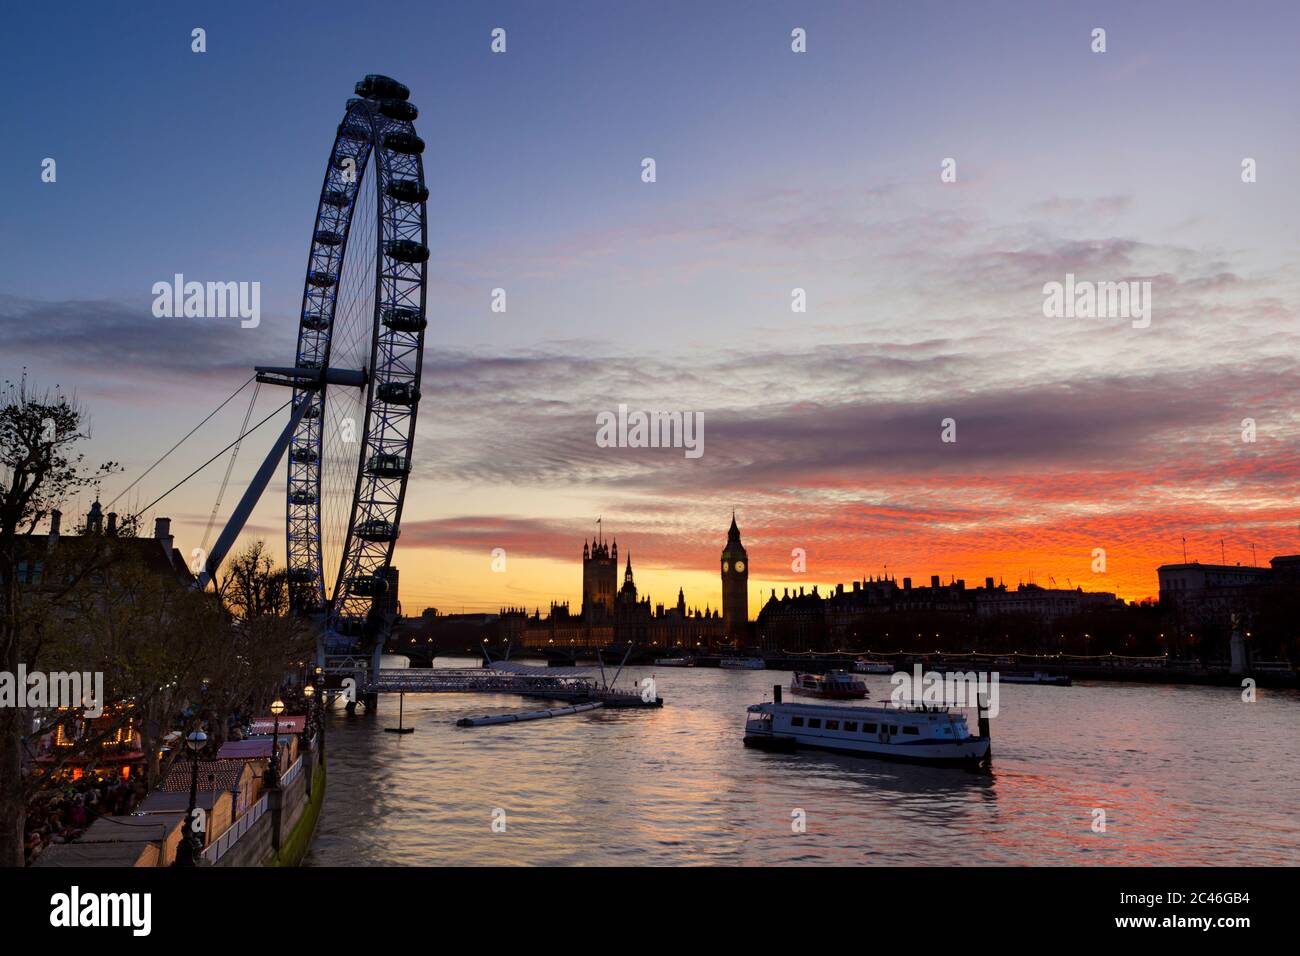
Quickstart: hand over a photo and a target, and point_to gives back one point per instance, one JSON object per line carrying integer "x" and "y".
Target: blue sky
{"x": 775, "y": 170}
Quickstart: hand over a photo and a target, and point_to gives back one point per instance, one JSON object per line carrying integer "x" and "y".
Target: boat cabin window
{"x": 868, "y": 728}
{"x": 814, "y": 722}
{"x": 832, "y": 725}
{"x": 796, "y": 721}
{"x": 851, "y": 726}
{"x": 893, "y": 728}
{"x": 914, "y": 731}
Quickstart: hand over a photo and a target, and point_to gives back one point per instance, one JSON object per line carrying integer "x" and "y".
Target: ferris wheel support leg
{"x": 371, "y": 699}
{"x": 251, "y": 496}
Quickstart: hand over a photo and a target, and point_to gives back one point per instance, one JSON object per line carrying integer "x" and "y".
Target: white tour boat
{"x": 743, "y": 663}
{"x": 674, "y": 661}
{"x": 872, "y": 667}
{"x": 835, "y": 685}
{"x": 916, "y": 734}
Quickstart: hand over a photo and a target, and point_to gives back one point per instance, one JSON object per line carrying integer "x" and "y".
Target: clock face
{"x": 740, "y": 566}
{"x": 726, "y": 566}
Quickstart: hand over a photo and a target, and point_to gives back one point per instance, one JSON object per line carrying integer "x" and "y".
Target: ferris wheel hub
{"x": 310, "y": 377}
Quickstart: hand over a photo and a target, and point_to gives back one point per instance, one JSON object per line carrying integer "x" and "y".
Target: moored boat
{"x": 674, "y": 661}
{"x": 1037, "y": 677}
{"x": 914, "y": 734}
{"x": 836, "y": 685}
{"x": 863, "y": 666}
{"x": 743, "y": 663}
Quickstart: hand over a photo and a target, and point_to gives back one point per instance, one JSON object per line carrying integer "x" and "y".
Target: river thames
{"x": 1185, "y": 775}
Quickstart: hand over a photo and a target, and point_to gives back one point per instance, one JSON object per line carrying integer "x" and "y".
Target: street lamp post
{"x": 309, "y": 691}
{"x": 319, "y": 682}
{"x": 188, "y": 851}
{"x": 273, "y": 768}
{"x": 313, "y": 711}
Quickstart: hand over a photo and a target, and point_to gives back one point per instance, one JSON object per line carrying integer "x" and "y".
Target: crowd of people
{"x": 63, "y": 814}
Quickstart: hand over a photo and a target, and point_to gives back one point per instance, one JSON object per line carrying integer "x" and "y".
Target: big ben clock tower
{"x": 735, "y": 585}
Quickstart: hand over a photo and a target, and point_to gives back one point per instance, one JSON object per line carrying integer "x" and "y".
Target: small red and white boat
{"x": 835, "y": 685}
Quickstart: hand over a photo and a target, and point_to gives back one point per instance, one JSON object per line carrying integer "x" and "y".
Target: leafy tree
{"x": 39, "y": 469}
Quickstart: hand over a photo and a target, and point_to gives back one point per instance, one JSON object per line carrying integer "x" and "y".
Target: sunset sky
{"x": 775, "y": 171}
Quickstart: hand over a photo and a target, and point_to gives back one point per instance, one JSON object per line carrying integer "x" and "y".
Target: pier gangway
{"x": 555, "y": 683}
{"x": 434, "y": 680}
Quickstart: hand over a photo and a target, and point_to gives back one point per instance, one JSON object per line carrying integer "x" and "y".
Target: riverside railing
{"x": 245, "y": 823}
{"x": 241, "y": 826}
{"x": 291, "y": 774}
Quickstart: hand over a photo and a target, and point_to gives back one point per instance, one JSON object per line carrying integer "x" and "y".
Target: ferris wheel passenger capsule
{"x": 376, "y": 529}
{"x": 407, "y": 190}
{"x": 407, "y": 250}
{"x": 406, "y": 143}
{"x": 402, "y": 319}
{"x": 388, "y": 465}
{"x": 399, "y": 393}
{"x": 376, "y": 86}
{"x": 400, "y": 110}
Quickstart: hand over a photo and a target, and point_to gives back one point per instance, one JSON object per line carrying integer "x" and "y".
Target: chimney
{"x": 162, "y": 530}
{"x": 934, "y": 580}
{"x": 988, "y": 584}
{"x": 56, "y": 516}
{"x": 907, "y": 584}
{"x": 112, "y": 522}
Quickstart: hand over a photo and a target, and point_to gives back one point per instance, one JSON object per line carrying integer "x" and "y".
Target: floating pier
{"x": 489, "y": 720}
{"x": 567, "y": 684}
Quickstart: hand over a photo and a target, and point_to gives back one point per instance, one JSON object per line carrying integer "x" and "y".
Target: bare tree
{"x": 253, "y": 587}
{"x": 266, "y": 637}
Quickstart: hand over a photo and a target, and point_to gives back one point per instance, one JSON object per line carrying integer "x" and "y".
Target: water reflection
{"x": 675, "y": 786}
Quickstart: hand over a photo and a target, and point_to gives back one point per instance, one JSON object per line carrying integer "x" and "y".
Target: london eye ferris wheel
{"x": 356, "y": 373}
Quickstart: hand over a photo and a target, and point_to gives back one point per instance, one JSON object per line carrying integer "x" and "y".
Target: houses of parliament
{"x": 614, "y": 615}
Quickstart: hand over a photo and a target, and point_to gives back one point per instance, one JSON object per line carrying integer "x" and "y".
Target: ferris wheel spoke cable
{"x": 350, "y": 348}
{"x": 178, "y": 445}
{"x": 212, "y": 459}
{"x": 230, "y": 466}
